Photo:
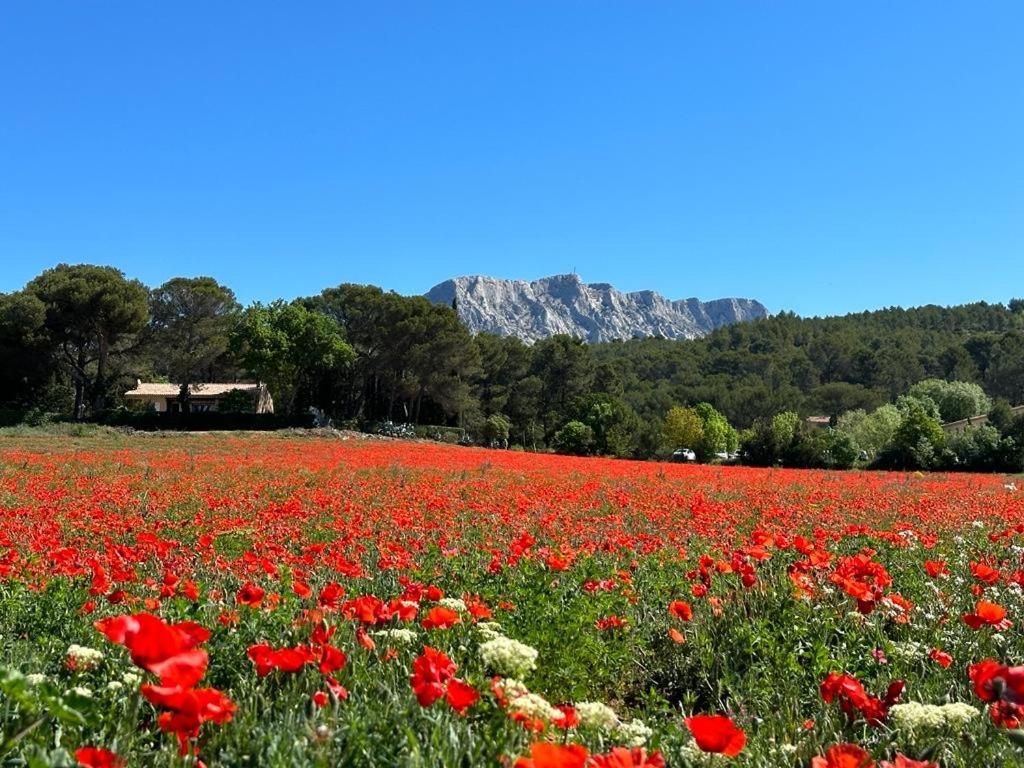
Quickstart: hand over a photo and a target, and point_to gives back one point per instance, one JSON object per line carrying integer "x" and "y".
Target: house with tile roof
{"x": 203, "y": 397}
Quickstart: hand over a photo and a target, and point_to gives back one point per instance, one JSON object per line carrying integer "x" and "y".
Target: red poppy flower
{"x": 320, "y": 699}
{"x": 250, "y": 595}
{"x": 936, "y": 568}
{"x": 984, "y": 573}
{"x": 461, "y": 696}
{"x": 97, "y": 757}
{"x": 543, "y": 754}
{"x": 853, "y": 699}
{"x": 985, "y": 612}
{"x": 331, "y": 659}
{"x": 902, "y": 761}
{"x": 844, "y": 756}
{"x": 716, "y": 733}
{"x": 941, "y": 658}
{"x": 620, "y": 757}
{"x": 440, "y": 617}
{"x": 431, "y": 672}
{"x": 569, "y": 719}
{"x": 267, "y": 659}
{"x": 993, "y": 681}
{"x": 681, "y": 610}
{"x": 167, "y": 650}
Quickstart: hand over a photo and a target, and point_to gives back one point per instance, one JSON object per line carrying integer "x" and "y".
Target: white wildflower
{"x": 131, "y": 678}
{"x": 35, "y": 678}
{"x": 915, "y": 716}
{"x": 958, "y": 714}
{"x": 81, "y": 690}
{"x": 594, "y": 714}
{"x": 489, "y": 630}
{"x": 508, "y": 657}
{"x": 635, "y": 733}
{"x": 115, "y": 685}
{"x": 906, "y": 651}
{"x": 399, "y": 635}
{"x": 82, "y": 657}
{"x": 535, "y": 707}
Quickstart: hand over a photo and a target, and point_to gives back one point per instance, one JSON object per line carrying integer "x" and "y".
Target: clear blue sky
{"x": 823, "y": 157}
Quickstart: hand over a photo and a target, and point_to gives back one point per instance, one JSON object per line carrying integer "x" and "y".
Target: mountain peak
{"x": 536, "y": 309}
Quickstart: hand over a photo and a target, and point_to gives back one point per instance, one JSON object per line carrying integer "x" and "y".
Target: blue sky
{"x": 822, "y": 157}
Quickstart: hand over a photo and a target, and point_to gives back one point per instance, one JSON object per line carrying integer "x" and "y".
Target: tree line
{"x": 77, "y": 336}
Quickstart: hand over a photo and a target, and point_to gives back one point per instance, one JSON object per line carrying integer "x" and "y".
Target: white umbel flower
{"x": 957, "y": 714}
{"x": 635, "y": 733}
{"x": 399, "y": 635}
{"x": 914, "y": 716}
{"x": 83, "y": 657}
{"x": 508, "y": 657}
{"x": 594, "y": 714}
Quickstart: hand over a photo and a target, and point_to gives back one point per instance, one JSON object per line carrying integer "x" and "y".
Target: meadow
{"x": 280, "y": 600}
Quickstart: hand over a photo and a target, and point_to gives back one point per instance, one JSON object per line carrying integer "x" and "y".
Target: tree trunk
{"x": 79, "y": 377}
{"x": 100, "y": 384}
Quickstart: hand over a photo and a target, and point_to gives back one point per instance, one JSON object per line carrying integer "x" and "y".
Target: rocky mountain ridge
{"x": 534, "y": 310}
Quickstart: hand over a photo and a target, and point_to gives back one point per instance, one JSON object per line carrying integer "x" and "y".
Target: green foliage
{"x": 90, "y": 311}
{"x": 682, "y": 428}
{"x": 189, "y": 332}
{"x": 871, "y": 432}
{"x": 717, "y": 436}
{"x": 289, "y": 347}
{"x": 612, "y": 423}
{"x": 236, "y": 401}
{"x": 575, "y": 439}
{"x": 496, "y": 430}
{"x": 956, "y": 400}
{"x": 917, "y": 442}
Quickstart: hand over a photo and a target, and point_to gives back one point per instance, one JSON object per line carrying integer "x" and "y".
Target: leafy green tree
{"x": 91, "y": 312}
{"x": 770, "y": 440}
{"x": 840, "y": 451}
{"x": 413, "y": 359}
{"x": 566, "y": 370}
{"x": 189, "y": 332}
{"x": 956, "y": 400}
{"x": 290, "y": 348}
{"x": 524, "y": 410}
{"x": 575, "y": 438}
{"x": 496, "y": 431}
{"x": 717, "y": 436}
{"x": 982, "y": 449}
{"x": 26, "y": 357}
{"x": 871, "y": 432}
{"x": 682, "y": 428}
{"x": 614, "y": 425}
{"x": 918, "y": 441}
{"x": 1000, "y": 416}
{"x": 904, "y": 403}
{"x": 1005, "y": 375}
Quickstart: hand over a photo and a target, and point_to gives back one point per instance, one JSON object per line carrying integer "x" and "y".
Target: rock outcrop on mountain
{"x": 594, "y": 312}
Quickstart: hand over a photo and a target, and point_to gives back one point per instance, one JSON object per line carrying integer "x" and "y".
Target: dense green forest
{"x": 78, "y": 336}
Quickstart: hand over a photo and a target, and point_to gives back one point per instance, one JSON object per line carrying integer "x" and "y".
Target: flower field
{"x": 290, "y": 601}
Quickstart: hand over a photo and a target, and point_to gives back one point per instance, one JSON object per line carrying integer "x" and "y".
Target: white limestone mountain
{"x": 593, "y": 312}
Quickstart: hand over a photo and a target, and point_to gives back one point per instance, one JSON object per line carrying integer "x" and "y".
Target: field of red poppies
{"x": 288, "y": 601}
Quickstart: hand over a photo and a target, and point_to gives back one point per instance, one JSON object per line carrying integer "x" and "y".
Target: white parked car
{"x": 683, "y": 454}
